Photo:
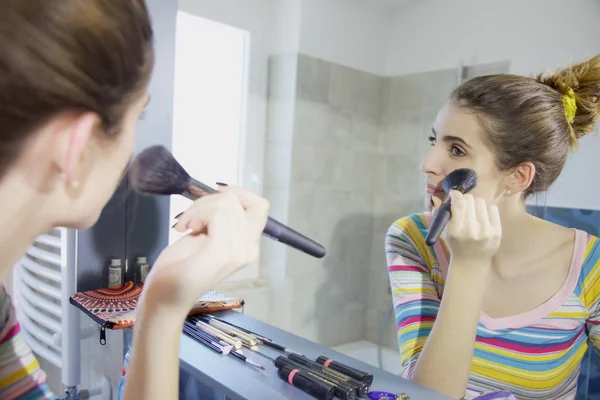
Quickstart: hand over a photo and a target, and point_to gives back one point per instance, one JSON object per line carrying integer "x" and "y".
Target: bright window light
{"x": 210, "y": 102}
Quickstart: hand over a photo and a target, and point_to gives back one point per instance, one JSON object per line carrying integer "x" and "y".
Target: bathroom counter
{"x": 238, "y": 380}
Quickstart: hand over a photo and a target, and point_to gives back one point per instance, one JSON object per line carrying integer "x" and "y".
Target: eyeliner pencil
{"x": 206, "y": 337}
{"x": 224, "y": 350}
{"x": 265, "y": 340}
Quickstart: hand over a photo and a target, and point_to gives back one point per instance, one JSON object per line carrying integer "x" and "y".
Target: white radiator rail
{"x": 44, "y": 280}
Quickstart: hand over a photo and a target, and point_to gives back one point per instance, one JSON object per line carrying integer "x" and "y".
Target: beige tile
{"x": 313, "y": 79}
{"x": 311, "y": 122}
{"x": 404, "y": 135}
{"x": 343, "y": 87}
{"x": 366, "y": 135}
{"x": 370, "y": 96}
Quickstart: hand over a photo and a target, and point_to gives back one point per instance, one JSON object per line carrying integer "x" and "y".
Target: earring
{"x": 62, "y": 177}
{"x": 507, "y": 193}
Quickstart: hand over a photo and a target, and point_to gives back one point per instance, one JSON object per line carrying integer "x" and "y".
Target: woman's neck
{"x": 22, "y": 219}
{"x": 519, "y": 228}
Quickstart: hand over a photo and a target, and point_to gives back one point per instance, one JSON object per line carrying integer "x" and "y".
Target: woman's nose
{"x": 431, "y": 164}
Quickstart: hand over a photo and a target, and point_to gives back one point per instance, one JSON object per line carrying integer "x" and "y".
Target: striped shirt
{"x": 20, "y": 373}
{"x": 535, "y": 354}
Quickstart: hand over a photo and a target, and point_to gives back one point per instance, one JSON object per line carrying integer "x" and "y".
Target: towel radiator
{"x": 44, "y": 280}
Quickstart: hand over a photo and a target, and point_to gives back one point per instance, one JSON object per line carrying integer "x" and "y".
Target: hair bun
{"x": 579, "y": 86}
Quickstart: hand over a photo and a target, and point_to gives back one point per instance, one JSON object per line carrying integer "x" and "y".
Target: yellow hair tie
{"x": 568, "y": 100}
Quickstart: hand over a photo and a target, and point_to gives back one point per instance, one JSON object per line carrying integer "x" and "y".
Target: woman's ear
{"x": 521, "y": 177}
{"x": 75, "y": 141}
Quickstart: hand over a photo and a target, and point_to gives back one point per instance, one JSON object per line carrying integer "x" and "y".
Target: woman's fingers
{"x": 256, "y": 207}
{"x": 481, "y": 212}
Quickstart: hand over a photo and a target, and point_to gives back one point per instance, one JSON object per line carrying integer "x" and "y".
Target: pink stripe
{"x": 528, "y": 349}
{"x": 11, "y": 333}
{"x": 404, "y": 268}
{"x": 329, "y": 361}
{"x": 291, "y": 376}
{"x": 533, "y": 316}
{"x": 417, "y": 319}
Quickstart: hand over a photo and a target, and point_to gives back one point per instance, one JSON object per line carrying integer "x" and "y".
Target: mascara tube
{"x": 341, "y": 389}
{"x": 307, "y": 383}
{"x": 346, "y": 370}
{"x": 362, "y": 389}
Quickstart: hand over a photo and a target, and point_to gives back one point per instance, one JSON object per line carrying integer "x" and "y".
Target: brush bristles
{"x": 463, "y": 179}
{"x": 155, "y": 171}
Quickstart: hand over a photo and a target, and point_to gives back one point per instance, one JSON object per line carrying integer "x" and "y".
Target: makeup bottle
{"x": 142, "y": 269}
{"x": 115, "y": 273}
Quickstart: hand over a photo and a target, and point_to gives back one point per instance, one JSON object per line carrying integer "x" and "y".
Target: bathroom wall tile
{"x": 302, "y": 207}
{"x": 343, "y": 87}
{"x": 390, "y": 208}
{"x": 370, "y": 96}
{"x": 366, "y": 135}
{"x": 404, "y": 135}
{"x": 381, "y": 175}
{"x": 363, "y": 168}
{"x": 408, "y": 92}
{"x": 311, "y": 122}
{"x": 313, "y": 79}
{"x": 386, "y": 92}
{"x": 360, "y": 202}
{"x": 439, "y": 85}
{"x": 376, "y": 323}
{"x": 310, "y": 164}
{"x": 404, "y": 177}
{"x": 378, "y": 258}
{"x": 338, "y": 134}
{"x": 379, "y": 293}
{"x": 353, "y": 323}
{"x": 329, "y": 217}
{"x": 342, "y": 175}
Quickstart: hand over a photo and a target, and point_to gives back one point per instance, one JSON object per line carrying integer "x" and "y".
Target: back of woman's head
{"x": 69, "y": 55}
{"x": 535, "y": 120}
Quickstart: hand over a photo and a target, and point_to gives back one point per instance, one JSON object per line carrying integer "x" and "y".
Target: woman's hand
{"x": 474, "y": 232}
{"x": 225, "y": 233}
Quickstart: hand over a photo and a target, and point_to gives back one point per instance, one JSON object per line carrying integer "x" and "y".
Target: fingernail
{"x": 179, "y": 215}
{"x": 222, "y": 184}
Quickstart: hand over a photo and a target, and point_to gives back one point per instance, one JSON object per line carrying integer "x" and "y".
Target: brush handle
{"x": 278, "y": 231}
{"x": 273, "y": 229}
{"x": 442, "y": 216}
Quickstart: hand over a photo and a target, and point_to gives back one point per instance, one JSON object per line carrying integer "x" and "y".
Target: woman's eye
{"x": 456, "y": 151}
{"x": 432, "y": 140}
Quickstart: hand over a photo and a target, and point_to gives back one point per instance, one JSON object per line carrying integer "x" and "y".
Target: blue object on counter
{"x": 382, "y": 396}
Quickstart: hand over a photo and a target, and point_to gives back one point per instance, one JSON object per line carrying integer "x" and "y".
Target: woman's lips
{"x": 433, "y": 190}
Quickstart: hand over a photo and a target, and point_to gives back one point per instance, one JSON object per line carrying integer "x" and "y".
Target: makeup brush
{"x": 462, "y": 180}
{"x": 155, "y": 171}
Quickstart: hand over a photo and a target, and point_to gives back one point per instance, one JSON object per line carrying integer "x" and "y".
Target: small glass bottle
{"x": 142, "y": 268}
{"x": 115, "y": 273}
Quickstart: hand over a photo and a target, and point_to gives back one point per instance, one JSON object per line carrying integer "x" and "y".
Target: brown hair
{"x": 57, "y": 55}
{"x": 525, "y": 118}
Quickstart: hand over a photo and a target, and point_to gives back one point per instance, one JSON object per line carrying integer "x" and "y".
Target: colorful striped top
{"x": 20, "y": 373}
{"x": 534, "y": 355}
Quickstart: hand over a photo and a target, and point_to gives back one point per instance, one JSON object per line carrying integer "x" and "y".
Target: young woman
{"x": 506, "y": 301}
{"x": 73, "y": 82}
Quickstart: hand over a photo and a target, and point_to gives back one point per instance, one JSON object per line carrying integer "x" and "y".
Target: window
{"x": 209, "y": 117}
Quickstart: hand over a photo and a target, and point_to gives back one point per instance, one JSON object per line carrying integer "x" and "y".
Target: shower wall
{"x": 410, "y": 105}
{"x": 342, "y": 163}
{"x": 325, "y": 164}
